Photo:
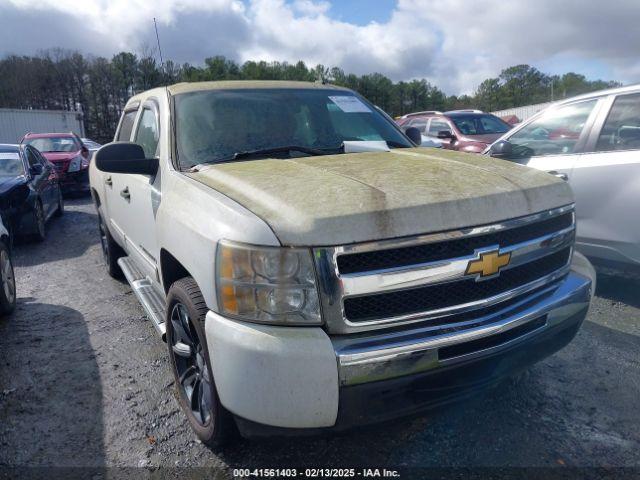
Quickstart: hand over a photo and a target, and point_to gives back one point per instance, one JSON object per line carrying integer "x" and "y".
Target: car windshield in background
{"x": 10, "y": 164}
{"x": 54, "y": 144}
{"x": 214, "y": 125}
{"x": 479, "y": 124}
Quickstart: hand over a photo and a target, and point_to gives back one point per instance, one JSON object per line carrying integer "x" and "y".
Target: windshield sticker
{"x": 9, "y": 156}
{"x": 350, "y": 104}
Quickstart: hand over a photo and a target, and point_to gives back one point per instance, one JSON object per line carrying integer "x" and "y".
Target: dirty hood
{"x": 359, "y": 197}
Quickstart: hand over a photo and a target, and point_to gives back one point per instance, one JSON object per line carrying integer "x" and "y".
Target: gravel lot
{"x": 85, "y": 381}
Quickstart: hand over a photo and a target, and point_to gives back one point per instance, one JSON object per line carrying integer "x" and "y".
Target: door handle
{"x": 108, "y": 181}
{"x": 560, "y": 175}
{"x": 125, "y": 194}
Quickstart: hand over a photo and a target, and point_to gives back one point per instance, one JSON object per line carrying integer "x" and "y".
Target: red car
{"x": 69, "y": 156}
{"x": 463, "y": 130}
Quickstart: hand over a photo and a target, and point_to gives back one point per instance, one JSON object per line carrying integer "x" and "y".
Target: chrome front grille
{"x": 425, "y": 279}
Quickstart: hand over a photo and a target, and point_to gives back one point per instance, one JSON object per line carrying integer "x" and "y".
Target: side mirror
{"x": 36, "y": 169}
{"x": 445, "y": 134}
{"x": 414, "y": 135}
{"x": 125, "y": 157}
{"x": 501, "y": 149}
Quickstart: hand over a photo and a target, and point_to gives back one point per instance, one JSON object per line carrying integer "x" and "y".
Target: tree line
{"x": 100, "y": 87}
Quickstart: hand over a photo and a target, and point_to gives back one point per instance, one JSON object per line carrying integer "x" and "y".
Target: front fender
{"x": 190, "y": 221}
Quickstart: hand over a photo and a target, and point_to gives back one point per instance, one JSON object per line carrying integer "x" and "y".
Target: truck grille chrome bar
{"x": 355, "y": 297}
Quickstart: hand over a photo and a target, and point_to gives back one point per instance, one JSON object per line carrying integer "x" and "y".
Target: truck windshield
{"x": 212, "y": 126}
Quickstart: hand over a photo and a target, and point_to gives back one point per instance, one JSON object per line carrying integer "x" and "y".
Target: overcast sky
{"x": 453, "y": 43}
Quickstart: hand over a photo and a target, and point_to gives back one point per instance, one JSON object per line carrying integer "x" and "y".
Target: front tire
{"x": 7, "y": 281}
{"x": 191, "y": 365}
{"x": 111, "y": 251}
{"x": 39, "y": 222}
{"x": 60, "y": 209}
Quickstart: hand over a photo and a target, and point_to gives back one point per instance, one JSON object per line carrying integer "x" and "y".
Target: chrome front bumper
{"x": 375, "y": 357}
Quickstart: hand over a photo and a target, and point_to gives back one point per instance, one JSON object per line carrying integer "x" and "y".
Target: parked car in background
{"x": 29, "y": 191}
{"x": 593, "y": 141}
{"x": 7, "y": 278}
{"x": 424, "y": 140}
{"x": 69, "y": 156}
{"x": 463, "y": 130}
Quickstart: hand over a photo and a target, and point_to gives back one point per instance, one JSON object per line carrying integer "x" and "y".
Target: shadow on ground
{"x": 50, "y": 389}
{"x": 619, "y": 289}
{"x": 67, "y": 237}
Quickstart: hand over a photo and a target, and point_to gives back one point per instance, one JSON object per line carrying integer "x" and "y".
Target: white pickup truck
{"x": 310, "y": 269}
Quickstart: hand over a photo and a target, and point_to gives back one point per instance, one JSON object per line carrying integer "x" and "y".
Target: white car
{"x": 592, "y": 141}
{"x": 303, "y": 288}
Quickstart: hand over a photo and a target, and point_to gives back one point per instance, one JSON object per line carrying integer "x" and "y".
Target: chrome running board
{"x": 152, "y": 302}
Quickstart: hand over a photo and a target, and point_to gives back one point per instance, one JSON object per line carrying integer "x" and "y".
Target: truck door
{"x": 139, "y": 196}
{"x": 115, "y": 209}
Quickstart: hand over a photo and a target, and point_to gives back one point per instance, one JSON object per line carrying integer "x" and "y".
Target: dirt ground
{"x": 85, "y": 381}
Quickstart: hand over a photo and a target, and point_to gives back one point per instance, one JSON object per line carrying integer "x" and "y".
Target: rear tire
{"x": 39, "y": 222}
{"x": 197, "y": 394}
{"x": 7, "y": 281}
{"x": 111, "y": 251}
{"x": 60, "y": 209}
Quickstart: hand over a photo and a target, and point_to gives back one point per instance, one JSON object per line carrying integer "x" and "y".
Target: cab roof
{"x": 188, "y": 87}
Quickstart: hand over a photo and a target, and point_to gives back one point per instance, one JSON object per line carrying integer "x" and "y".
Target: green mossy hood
{"x": 359, "y": 197}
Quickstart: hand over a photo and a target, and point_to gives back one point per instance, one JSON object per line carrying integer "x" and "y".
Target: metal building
{"x": 14, "y": 123}
{"x": 522, "y": 112}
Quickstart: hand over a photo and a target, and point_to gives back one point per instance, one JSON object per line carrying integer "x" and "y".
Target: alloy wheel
{"x": 194, "y": 377}
{"x": 8, "y": 280}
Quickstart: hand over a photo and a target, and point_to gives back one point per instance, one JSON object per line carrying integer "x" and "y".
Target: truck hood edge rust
{"x": 360, "y": 197}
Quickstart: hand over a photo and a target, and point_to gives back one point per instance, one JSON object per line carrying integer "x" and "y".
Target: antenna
{"x": 155, "y": 25}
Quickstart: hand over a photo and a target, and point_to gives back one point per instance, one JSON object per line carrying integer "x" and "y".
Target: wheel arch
{"x": 171, "y": 269}
{"x": 96, "y": 197}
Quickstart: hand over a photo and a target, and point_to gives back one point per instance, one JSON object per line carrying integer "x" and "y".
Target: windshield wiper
{"x": 240, "y": 156}
{"x": 266, "y": 151}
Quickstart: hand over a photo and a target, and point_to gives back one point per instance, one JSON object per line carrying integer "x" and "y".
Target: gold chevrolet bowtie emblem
{"x": 488, "y": 264}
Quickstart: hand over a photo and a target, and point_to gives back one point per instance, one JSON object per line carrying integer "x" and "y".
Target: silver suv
{"x": 593, "y": 141}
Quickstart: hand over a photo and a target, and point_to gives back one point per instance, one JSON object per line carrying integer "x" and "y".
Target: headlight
{"x": 74, "y": 165}
{"x": 267, "y": 284}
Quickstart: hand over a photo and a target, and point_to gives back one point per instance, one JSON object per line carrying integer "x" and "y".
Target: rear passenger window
{"x": 420, "y": 124}
{"x": 126, "y": 126}
{"x": 437, "y": 126}
{"x": 147, "y": 134}
{"x": 621, "y": 130}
